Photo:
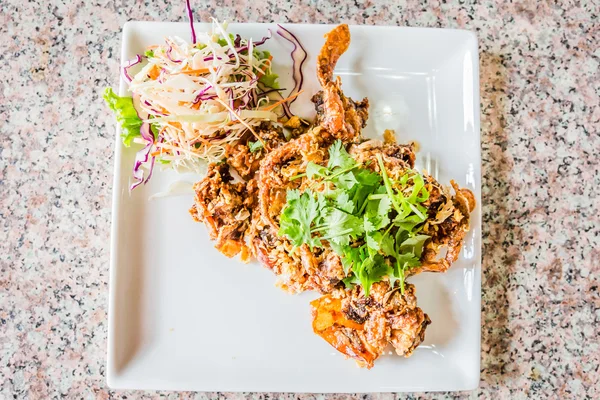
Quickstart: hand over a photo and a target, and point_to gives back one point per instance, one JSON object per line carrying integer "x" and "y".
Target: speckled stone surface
{"x": 540, "y": 113}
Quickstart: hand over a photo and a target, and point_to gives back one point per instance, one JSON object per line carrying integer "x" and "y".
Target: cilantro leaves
{"x": 300, "y": 213}
{"x": 369, "y": 219}
{"x": 339, "y": 157}
{"x": 255, "y": 146}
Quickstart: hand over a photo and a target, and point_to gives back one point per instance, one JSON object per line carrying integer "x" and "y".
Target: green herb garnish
{"x": 223, "y": 42}
{"x": 369, "y": 219}
{"x": 255, "y": 146}
{"x": 269, "y": 80}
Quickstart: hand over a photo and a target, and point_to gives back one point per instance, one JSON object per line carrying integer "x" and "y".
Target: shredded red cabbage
{"x": 142, "y": 156}
{"x": 240, "y": 49}
{"x": 271, "y": 91}
{"x": 129, "y": 64}
{"x": 202, "y": 95}
{"x": 153, "y": 110}
{"x": 146, "y": 132}
{"x": 260, "y": 42}
{"x": 169, "y": 50}
{"x": 210, "y": 58}
{"x": 263, "y": 40}
{"x": 299, "y": 56}
{"x": 284, "y": 106}
{"x": 191, "y": 17}
{"x": 150, "y": 170}
{"x": 246, "y": 98}
{"x": 135, "y": 99}
{"x": 253, "y": 98}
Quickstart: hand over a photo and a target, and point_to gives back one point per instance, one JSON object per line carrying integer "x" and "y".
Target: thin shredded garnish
{"x": 201, "y": 96}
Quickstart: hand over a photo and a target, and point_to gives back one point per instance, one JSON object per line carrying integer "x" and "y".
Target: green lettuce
{"x": 125, "y": 114}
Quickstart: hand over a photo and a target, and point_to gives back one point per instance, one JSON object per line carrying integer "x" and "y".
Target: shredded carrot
{"x": 194, "y": 71}
{"x": 272, "y": 106}
{"x": 154, "y": 73}
{"x": 243, "y": 123}
{"x": 158, "y": 152}
{"x": 164, "y": 128}
{"x": 264, "y": 68}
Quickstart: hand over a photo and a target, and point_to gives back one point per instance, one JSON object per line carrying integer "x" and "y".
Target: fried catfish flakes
{"x": 224, "y": 205}
{"x": 362, "y": 327}
{"x": 244, "y": 156}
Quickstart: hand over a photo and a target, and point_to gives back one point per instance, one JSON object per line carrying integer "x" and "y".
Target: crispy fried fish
{"x": 361, "y": 327}
{"x": 337, "y": 114}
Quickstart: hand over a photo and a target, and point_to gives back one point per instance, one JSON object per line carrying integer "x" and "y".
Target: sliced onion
{"x": 299, "y": 56}
{"x": 129, "y": 64}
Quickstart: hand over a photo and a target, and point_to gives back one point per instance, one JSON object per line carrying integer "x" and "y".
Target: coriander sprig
{"x": 369, "y": 219}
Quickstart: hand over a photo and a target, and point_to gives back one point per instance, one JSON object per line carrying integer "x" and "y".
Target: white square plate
{"x": 184, "y": 317}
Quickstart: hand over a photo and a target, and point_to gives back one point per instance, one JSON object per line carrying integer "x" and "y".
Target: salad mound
{"x": 192, "y": 100}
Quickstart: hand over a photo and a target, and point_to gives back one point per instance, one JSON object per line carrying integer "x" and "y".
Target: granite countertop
{"x": 540, "y": 117}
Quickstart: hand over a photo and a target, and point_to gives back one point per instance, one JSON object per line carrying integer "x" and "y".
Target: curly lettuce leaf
{"x": 270, "y": 80}
{"x": 125, "y": 114}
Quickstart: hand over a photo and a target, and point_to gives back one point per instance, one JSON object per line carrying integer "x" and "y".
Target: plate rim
{"x": 473, "y": 42}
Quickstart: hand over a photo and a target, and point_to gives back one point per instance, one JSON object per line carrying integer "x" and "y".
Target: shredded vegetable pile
{"x": 192, "y": 98}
